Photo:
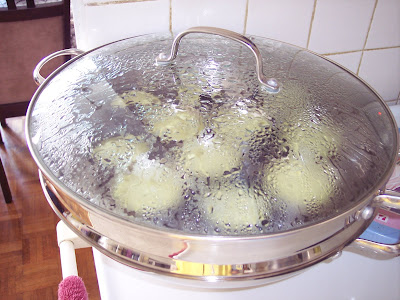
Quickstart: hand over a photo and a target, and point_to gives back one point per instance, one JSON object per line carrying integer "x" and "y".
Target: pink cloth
{"x": 72, "y": 288}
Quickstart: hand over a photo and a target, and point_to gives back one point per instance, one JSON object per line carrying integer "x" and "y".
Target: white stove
{"x": 346, "y": 276}
{"x": 350, "y": 276}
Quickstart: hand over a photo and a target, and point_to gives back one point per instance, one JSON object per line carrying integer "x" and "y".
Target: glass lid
{"x": 201, "y": 146}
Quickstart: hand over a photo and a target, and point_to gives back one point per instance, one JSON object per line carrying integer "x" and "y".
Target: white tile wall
{"x": 101, "y": 22}
{"x": 375, "y": 67}
{"x": 350, "y": 60}
{"x": 226, "y": 14}
{"x": 340, "y": 25}
{"x": 385, "y": 28}
{"x": 362, "y": 35}
{"x": 285, "y": 20}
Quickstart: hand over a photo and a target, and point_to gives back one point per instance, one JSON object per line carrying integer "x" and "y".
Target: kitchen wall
{"x": 362, "y": 35}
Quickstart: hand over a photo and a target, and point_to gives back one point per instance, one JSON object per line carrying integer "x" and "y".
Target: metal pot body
{"x": 232, "y": 259}
{"x": 227, "y": 262}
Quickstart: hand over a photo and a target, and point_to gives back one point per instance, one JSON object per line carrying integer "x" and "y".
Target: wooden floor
{"x": 29, "y": 255}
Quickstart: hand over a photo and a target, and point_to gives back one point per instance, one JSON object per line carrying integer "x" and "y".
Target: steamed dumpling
{"x": 210, "y": 158}
{"x": 150, "y": 187}
{"x": 189, "y": 94}
{"x": 232, "y": 209}
{"x": 119, "y": 150}
{"x": 239, "y": 123}
{"x": 135, "y": 97}
{"x": 180, "y": 125}
{"x": 142, "y": 194}
{"x": 302, "y": 186}
{"x": 312, "y": 144}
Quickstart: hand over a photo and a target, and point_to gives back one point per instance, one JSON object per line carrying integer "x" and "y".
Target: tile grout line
{"x": 246, "y": 13}
{"x": 311, "y": 24}
{"x": 370, "y": 24}
{"x": 366, "y": 38}
{"x": 361, "y": 50}
{"x": 170, "y": 17}
{"x": 359, "y": 63}
{"x": 343, "y": 52}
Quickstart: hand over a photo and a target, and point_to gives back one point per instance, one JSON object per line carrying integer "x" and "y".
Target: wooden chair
{"x": 27, "y": 34}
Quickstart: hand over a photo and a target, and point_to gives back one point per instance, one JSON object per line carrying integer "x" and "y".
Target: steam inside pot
{"x": 200, "y": 147}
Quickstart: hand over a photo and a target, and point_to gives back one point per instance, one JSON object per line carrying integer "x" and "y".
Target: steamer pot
{"x": 124, "y": 88}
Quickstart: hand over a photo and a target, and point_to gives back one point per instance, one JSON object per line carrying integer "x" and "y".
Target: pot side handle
{"x": 270, "y": 84}
{"x": 390, "y": 199}
{"x": 373, "y": 249}
{"x": 36, "y": 72}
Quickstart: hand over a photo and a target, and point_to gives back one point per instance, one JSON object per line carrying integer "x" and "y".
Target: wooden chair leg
{"x": 4, "y": 184}
{"x": 2, "y": 124}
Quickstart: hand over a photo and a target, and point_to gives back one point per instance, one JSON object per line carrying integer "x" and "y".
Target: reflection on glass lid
{"x": 199, "y": 146}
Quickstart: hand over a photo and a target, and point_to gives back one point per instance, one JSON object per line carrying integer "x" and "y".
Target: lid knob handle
{"x": 270, "y": 84}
